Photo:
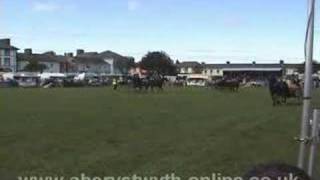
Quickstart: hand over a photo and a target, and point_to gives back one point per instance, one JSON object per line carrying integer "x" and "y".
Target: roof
{"x": 187, "y": 64}
{"x": 5, "y": 44}
{"x": 294, "y": 65}
{"x": 99, "y": 58}
{"x": 85, "y": 59}
{"x": 110, "y": 54}
{"x": 243, "y": 66}
{"x": 46, "y": 57}
{"x": 116, "y": 57}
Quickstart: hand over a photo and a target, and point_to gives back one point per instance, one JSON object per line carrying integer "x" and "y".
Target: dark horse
{"x": 232, "y": 84}
{"x": 280, "y": 91}
{"x": 156, "y": 81}
{"x": 150, "y": 82}
{"x": 139, "y": 83}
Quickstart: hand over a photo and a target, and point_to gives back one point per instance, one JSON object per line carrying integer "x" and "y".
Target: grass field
{"x": 102, "y": 133}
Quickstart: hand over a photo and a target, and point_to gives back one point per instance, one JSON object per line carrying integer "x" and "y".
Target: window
{"x": 6, "y": 62}
{"x": 7, "y": 52}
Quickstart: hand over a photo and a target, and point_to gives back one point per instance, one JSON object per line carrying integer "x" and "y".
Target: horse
{"x": 231, "y": 84}
{"x": 157, "y": 81}
{"x": 281, "y": 90}
{"x": 139, "y": 83}
{"x": 149, "y": 82}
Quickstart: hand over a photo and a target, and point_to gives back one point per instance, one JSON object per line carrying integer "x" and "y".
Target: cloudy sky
{"x": 203, "y": 30}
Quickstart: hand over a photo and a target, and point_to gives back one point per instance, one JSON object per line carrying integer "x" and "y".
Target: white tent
{"x": 44, "y": 76}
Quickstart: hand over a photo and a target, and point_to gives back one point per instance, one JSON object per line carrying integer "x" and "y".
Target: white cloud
{"x": 133, "y": 5}
{"x": 45, "y": 6}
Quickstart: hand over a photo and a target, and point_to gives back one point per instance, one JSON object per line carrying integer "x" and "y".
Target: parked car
{"x": 27, "y": 80}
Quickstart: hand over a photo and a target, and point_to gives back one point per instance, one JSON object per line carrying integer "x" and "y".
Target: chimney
{"x": 5, "y": 42}
{"x": 228, "y": 62}
{"x": 28, "y": 51}
{"x": 80, "y": 51}
{"x": 68, "y": 54}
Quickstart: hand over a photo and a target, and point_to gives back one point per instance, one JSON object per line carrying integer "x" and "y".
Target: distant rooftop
{"x": 6, "y": 44}
{"x": 188, "y": 64}
{"x": 228, "y": 66}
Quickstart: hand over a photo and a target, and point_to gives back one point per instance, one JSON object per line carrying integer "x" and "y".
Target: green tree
{"x": 35, "y": 66}
{"x": 159, "y": 62}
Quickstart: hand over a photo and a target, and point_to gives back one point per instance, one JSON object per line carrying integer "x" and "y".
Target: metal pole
{"x": 315, "y": 141}
{"x": 307, "y": 86}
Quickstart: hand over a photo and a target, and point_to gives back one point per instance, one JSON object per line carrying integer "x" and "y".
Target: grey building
{"x": 90, "y": 62}
{"x": 189, "y": 67}
{"x": 106, "y": 62}
{"x": 237, "y": 70}
{"x": 8, "y": 56}
{"x": 53, "y": 63}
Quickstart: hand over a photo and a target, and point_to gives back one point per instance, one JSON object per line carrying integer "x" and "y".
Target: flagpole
{"x": 306, "y": 114}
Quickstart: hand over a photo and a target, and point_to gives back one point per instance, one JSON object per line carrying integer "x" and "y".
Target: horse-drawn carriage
{"x": 150, "y": 81}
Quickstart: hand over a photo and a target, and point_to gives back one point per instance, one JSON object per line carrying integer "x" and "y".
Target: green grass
{"x": 102, "y": 133}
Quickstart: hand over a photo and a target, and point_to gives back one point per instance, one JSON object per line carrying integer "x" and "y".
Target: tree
{"x": 159, "y": 62}
{"x": 35, "y": 66}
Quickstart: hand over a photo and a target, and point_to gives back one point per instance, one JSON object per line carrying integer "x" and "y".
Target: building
{"x": 120, "y": 64}
{"x": 53, "y": 63}
{"x": 8, "y": 56}
{"x": 90, "y": 62}
{"x": 106, "y": 62}
{"x": 237, "y": 70}
{"x": 293, "y": 69}
{"x": 189, "y": 67}
{"x": 244, "y": 70}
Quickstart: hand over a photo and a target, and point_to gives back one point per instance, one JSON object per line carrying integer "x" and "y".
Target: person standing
{"x": 115, "y": 84}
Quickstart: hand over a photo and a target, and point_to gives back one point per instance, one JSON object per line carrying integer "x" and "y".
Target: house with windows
{"x": 248, "y": 71}
{"x": 106, "y": 62}
{"x": 293, "y": 69}
{"x": 120, "y": 64}
{"x": 90, "y": 62}
{"x": 53, "y": 63}
{"x": 8, "y": 56}
{"x": 244, "y": 69}
{"x": 189, "y": 67}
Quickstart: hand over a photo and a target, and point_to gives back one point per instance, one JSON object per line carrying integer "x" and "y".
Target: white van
{"x": 197, "y": 80}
